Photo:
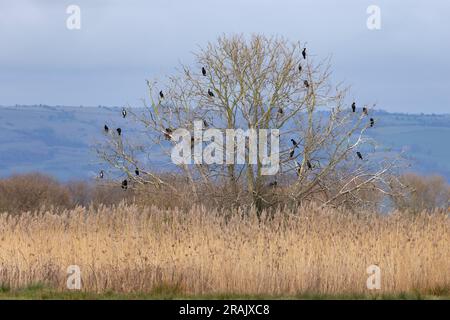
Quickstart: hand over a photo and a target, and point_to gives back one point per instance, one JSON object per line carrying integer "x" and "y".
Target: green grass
{"x": 41, "y": 292}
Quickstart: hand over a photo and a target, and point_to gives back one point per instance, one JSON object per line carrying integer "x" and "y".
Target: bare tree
{"x": 261, "y": 83}
{"x": 422, "y": 193}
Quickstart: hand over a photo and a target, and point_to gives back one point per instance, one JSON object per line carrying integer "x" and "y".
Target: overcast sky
{"x": 402, "y": 67}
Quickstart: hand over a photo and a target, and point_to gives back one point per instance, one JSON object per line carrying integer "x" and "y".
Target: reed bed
{"x": 130, "y": 249}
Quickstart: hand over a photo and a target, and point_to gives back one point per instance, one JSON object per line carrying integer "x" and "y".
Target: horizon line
{"x": 116, "y": 106}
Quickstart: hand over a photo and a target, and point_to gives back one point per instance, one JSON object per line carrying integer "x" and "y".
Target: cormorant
{"x": 372, "y": 122}
{"x": 359, "y": 155}
{"x": 291, "y": 154}
{"x": 365, "y": 111}
{"x": 124, "y": 184}
{"x": 300, "y": 67}
{"x": 167, "y": 133}
{"x": 210, "y": 93}
{"x": 299, "y": 169}
{"x": 124, "y": 112}
{"x": 119, "y": 131}
{"x": 295, "y": 143}
{"x": 309, "y": 165}
{"x": 161, "y": 94}
{"x": 304, "y": 53}
{"x": 106, "y": 128}
{"x": 136, "y": 171}
{"x": 306, "y": 83}
{"x": 354, "y": 106}
{"x": 280, "y": 111}
{"x": 203, "y": 71}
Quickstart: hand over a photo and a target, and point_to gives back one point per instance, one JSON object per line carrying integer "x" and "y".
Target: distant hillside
{"x": 59, "y": 140}
{"x": 424, "y": 139}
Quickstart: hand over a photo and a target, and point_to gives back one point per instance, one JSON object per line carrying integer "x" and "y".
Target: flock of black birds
{"x": 295, "y": 144}
{"x": 168, "y": 131}
{"x": 101, "y": 174}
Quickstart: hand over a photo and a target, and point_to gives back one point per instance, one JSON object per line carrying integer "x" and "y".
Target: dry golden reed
{"x": 130, "y": 249}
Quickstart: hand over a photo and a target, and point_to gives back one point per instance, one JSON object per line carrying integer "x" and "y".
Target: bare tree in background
{"x": 260, "y": 83}
{"x": 422, "y": 193}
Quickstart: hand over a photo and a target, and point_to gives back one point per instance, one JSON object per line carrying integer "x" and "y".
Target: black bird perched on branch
{"x": 205, "y": 123}
{"x": 291, "y": 154}
{"x": 354, "y": 106}
{"x": 273, "y": 184}
{"x": 372, "y": 122}
{"x": 125, "y": 184}
{"x": 203, "y": 71}
{"x": 309, "y": 165}
{"x": 300, "y": 67}
{"x": 280, "y": 111}
{"x": 119, "y": 131}
{"x": 168, "y": 133}
{"x": 304, "y": 53}
{"x": 295, "y": 143}
{"x": 298, "y": 169}
{"x": 136, "y": 171}
{"x": 210, "y": 93}
{"x": 106, "y": 128}
{"x": 161, "y": 94}
{"x": 124, "y": 112}
{"x": 359, "y": 155}
{"x": 101, "y": 174}
{"x": 306, "y": 83}
{"x": 365, "y": 111}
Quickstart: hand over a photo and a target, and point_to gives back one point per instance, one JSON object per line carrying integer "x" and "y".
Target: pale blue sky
{"x": 403, "y": 67}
